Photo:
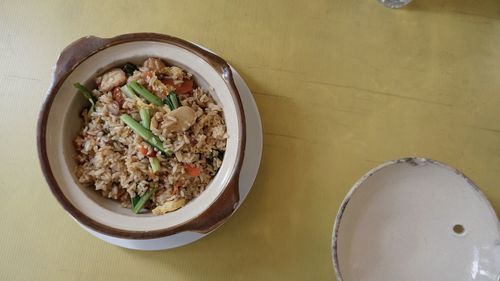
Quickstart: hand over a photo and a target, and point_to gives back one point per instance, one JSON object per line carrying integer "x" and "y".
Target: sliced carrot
{"x": 149, "y": 74}
{"x": 143, "y": 150}
{"x": 192, "y": 170}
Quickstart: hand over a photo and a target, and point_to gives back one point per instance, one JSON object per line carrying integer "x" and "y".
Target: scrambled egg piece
{"x": 169, "y": 206}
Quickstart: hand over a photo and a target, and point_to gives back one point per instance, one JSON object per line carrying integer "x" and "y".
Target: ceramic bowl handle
{"x": 75, "y": 53}
{"x": 218, "y": 212}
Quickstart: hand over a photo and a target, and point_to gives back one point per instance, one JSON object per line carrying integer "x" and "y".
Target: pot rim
{"x": 79, "y": 51}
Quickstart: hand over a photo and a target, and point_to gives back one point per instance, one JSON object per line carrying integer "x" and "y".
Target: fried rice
{"x": 118, "y": 163}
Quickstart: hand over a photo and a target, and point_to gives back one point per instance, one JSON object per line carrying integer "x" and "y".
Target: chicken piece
{"x": 113, "y": 78}
{"x": 169, "y": 206}
{"x": 184, "y": 117}
{"x": 154, "y": 64}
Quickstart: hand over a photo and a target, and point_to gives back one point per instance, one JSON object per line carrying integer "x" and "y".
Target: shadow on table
{"x": 485, "y": 8}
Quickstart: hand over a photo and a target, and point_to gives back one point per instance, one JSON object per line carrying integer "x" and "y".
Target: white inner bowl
{"x": 65, "y": 114}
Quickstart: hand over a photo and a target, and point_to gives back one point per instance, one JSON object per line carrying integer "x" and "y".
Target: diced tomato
{"x": 192, "y": 170}
{"x": 152, "y": 154}
{"x": 118, "y": 96}
{"x": 143, "y": 150}
{"x": 182, "y": 88}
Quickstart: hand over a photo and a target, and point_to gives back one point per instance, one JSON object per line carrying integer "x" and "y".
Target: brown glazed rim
{"x": 80, "y": 50}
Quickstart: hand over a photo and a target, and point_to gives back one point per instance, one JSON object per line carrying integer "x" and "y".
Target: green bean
{"x": 174, "y": 99}
{"x": 128, "y": 91}
{"x": 135, "y": 200}
{"x": 168, "y": 102}
{"x": 145, "y": 93}
{"x": 144, "y": 133}
{"x": 145, "y": 118}
{"x": 87, "y": 94}
{"x": 155, "y": 164}
{"x": 143, "y": 200}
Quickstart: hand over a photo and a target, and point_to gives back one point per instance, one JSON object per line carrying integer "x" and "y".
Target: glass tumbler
{"x": 394, "y": 3}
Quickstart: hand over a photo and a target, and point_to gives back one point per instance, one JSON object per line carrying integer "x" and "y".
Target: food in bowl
{"x": 151, "y": 138}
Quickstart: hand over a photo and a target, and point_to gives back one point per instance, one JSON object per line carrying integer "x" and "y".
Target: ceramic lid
{"x": 416, "y": 219}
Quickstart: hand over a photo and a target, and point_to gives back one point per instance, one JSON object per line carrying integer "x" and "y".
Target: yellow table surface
{"x": 341, "y": 87}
